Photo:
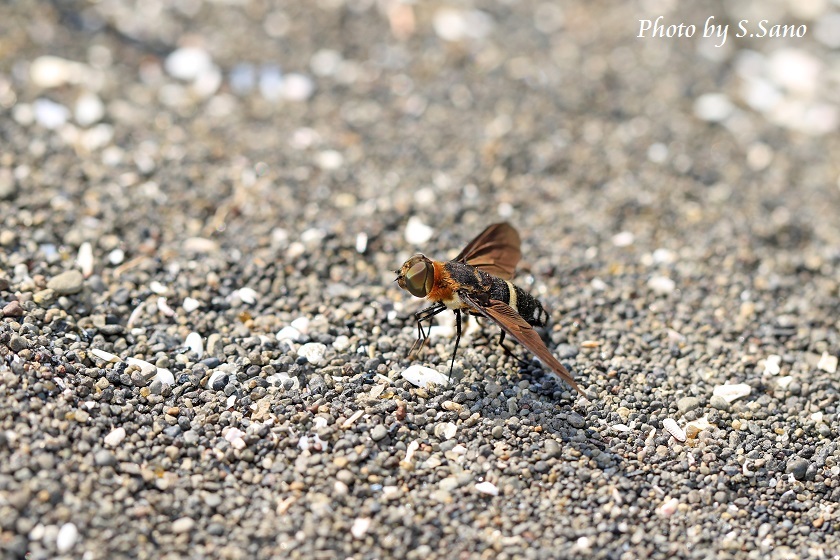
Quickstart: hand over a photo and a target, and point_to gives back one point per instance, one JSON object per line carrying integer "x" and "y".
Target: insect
{"x": 478, "y": 282}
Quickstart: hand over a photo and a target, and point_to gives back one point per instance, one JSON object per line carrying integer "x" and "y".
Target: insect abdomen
{"x": 529, "y": 308}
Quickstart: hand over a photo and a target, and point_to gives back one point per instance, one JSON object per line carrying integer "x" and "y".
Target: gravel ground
{"x": 202, "y": 347}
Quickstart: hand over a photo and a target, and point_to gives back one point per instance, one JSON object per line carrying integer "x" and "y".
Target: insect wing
{"x": 515, "y": 326}
{"x": 495, "y": 251}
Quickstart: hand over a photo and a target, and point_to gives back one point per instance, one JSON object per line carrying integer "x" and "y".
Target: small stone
{"x": 732, "y": 392}
{"x": 66, "y": 538}
{"x": 797, "y": 467}
{"x": 487, "y": 488}
{"x": 378, "y": 433}
{"x": 183, "y": 525}
{"x": 314, "y": 353}
{"x": 195, "y": 344}
{"x": 104, "y": 458}
{"x": 360, "y": 527}
{"x": 67, "y": 283}
{"x": 687, "y": 404}
{"x": 421, "y": 376}
{"x": 719, "y": 403}
{"x": 661, "y": 285}
{"x": 713, "y": 107}
{"x": 81, "y": 416}
{"x": 416, "y": 232}
{"x": 115, "y": 437}
{"x": 188, "y": 63}
{"x": 13, "y": 309}
{"x": 576, "y": 420}
{"x": 44, "y": 297}
{"x": 827, "y": 363}
{"x": 17, "y": 343}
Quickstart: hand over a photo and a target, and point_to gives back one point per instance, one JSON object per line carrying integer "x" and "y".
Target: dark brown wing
{"x": 515, "y": 326}
{"x": 495, "y": 251}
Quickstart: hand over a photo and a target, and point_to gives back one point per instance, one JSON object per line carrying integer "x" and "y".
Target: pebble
{"x": 49, "y": 114}
{"x": 288, "y": 333}
{"x": 188, "y": 63}
{"x": 378, "y": 433}
{"x": 66, "y": 538}
{"x": 713, "y": 107}
{"x": 732, "y": 392}
{"x": 421, "y": 376}
{"x": 67, "y": 283}
{"x": 13, "y": 309}
{"x": 360, "y": 527}
{"x": 314, "y": 353}
{"x": 416, "y": 232}
{"x": 104, "y": 458}
{"x": 183, "y": 525}
{"x": 719, "y": 403}
{"x": 661, "y": 285}
{"x": 189, "y": 305}
{"x": 18, "y": 343}
{"x": 164, "y": 376}
{"x": 106, "y": 357}
{"x": 798, "y": 467}
{"x": 668, "y": 507}
{"x": 623, "y": 239}
{"x": 195, "y": 344}
{"x": 115, "y": 437}
{"x": 827, "y": 363}
{"x": 487, "y": 488}
{"x": 89, "y": 109}
{"x": 687, "y": 404}
{"x": 297, "y": 87}
{"x": 84, "y": 259}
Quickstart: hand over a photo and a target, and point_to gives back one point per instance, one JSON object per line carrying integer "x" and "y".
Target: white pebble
{"x": 85, "y": 259}
{"x": 664, "y": 256}
{"x": 623, "y": 239}
{"x": 446, "y": 430}
{"x": 795, "y": 70}
{"x": 713, "y": 107}
{"x": 49, "y": 114}
{"x": 325, "y": 62}
{"x": 672, "y": 428}
{"x": 330, "y": 160}
{"x": 107, "y": 357}
{"x": 116, "y": 257}
{"x": 53, "y": 71}
{"x": 190, "y": 304}
{"x": 732, "y": 392}
{"x": 247, "y": 295}
{"x": 298, "y": 87}
{"x": 89, "y": 109}
{"x": 621, "y": 427}
{"x": 416, "y": 232}
{"x": 271, "y": 82}
{"x": 668, "y": 507}
{"x": 361, "y": 243}
{"x": 231, "y": 400}
{"x": 157, "y": 287}
{"x": 827, "y": 363}
{"x": 164, "y": 376}
{"x": 67, "y": 536}
{"x": 301, "y": 324}
{"x": 450, "y": 24}
{"x": 598, "y": 285}
{"x": 487, "y": 488}
{"x": 772, "y": 364}
{"x": 288, "y": 333}
{"x": 195, "y": 344}
{"x": 341, "y": 343}
{"x": 360, "y": 527}
{"x": 188, "y": 63}
{"x": 421, "y": 376}
{"x": 145, "y": 367}
{"x": 115, "y": 437}
{"x": 784, "y": 381}
{"x": 314, "y": 353}
{"x": 661, "y": 285}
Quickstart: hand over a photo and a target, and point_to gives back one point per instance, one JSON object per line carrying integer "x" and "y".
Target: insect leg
{"x": 457, "y": 340}
{"x": 509, "y": 352}
{"x": 420, "y": 316}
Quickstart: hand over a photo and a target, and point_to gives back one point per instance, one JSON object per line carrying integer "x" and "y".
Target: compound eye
{"x": 415, "y": 279}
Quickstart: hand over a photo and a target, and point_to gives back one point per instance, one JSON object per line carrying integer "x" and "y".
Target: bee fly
{"x": 478, "y": 282}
